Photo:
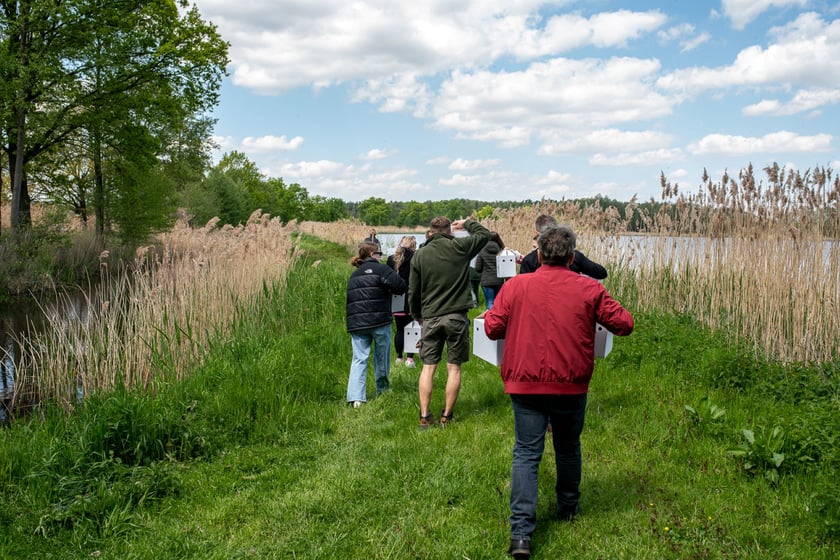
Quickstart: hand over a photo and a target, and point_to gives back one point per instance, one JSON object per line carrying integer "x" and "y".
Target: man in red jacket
{"x": 547, "y": 319}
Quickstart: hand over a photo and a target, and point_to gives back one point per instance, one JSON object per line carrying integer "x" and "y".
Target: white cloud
{"x": 609, "y": 140}
{"x": 685, "y": 36}
{"x": 552, "y": 98}
{"x": 329, "y": 42}
{"x": 803, "y": 101}
{"x": 440, "y": 160}
{"x": 271, "y": 143}
{"x": 470, "y": 164}
{"x": 223, "y": 143}
{"x": 742, "y": 12}
{"x": 651, "y": 157}
{"x": 776, "y": 142}
{"x": 311, "y": 168}
{"x": 805, "y": 52}
{"x": 376, "y": 154}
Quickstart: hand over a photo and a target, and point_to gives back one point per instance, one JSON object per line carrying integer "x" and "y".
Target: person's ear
{"x": 539, "y": 255}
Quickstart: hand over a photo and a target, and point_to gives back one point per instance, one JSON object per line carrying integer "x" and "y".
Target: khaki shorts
{"x": 453, "y": 330}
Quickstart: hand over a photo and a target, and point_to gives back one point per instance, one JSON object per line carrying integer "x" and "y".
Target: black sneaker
{"x": 520, "y": 549}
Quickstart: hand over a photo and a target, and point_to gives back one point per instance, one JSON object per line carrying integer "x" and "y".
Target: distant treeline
{"x": 378, "y": 211}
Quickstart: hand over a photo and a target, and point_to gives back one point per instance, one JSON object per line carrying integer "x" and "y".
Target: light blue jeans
{"x": 380, "y": 339}
{"x": 490, "y": 295}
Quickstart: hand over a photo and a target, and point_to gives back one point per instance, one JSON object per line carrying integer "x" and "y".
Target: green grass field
{"x": 256, "y": 455}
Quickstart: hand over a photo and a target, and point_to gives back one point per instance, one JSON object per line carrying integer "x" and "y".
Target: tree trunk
{"x": 20, "y": 212}
{"x": 98, "y": 187}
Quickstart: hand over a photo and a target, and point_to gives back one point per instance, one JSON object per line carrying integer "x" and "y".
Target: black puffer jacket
{"x": 369, "y": 292}
{"x": 485, "y": 263}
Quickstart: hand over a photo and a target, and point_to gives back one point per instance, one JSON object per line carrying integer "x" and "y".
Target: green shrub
{"x": 705, "y": 416}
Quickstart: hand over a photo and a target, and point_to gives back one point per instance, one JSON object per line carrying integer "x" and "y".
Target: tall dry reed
{"x": 759, "y": 259}
{"x": 150, "y": 321}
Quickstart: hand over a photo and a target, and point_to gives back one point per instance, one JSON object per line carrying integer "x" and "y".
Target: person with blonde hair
{"x": 401, "y": 262}
{"x": 369, "y": 292}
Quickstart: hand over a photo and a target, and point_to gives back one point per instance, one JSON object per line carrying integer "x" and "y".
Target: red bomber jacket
{"x": 547, "y": 319}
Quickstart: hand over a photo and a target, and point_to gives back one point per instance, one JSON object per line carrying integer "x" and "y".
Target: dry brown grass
{"x": 153, "y": 320}
{"x": 758, "y": 260}
{"x": 344, "y": 232}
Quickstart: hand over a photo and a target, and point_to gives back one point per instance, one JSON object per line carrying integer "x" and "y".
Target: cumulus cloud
{"x": 324, "y": 43}
{"x": 470, "y": 164}
{"x": 651, "y": 157}
{"x": 804, "y": 52}
{"x": 579, "y": 86}
{"x": 376, "y": 154}
{"x": 685, "y": 35}
{"x": 223, "y": 143}
{"x": 604, "y": 140}
{"x": 271, "y": 143}
{"x": 742, "y": 12}
{"x": 804, "y": 101}
{"x": 312, "y": 168}
{"x": 775, "y": 142}
{"x": 547, "y": 97}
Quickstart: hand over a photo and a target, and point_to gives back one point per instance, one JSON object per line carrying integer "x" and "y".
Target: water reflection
{"x": 7, "y": 377}
{"x": 20, "y": 321}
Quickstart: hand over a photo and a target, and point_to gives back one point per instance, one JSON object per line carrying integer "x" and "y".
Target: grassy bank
{"x": 255, "y": 454}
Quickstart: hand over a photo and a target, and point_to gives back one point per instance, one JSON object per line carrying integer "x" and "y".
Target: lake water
{"x": 19, "y": 319}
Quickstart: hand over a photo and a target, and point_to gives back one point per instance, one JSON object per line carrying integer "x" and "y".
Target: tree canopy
{"x": 107, "y": 86}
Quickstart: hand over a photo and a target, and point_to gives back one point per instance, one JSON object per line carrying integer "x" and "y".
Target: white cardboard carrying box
{"x": 486, "y": 349}
{"x": 397, "y": 303}
{"x": 506, "y": 264}
{"x": 603, "y": 341}
{"x": 411, "y": 337}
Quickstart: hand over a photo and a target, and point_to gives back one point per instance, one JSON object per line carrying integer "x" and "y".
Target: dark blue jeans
{"x": 531, "y": 414}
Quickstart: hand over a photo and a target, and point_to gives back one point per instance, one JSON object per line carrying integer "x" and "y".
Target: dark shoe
{"x": 426, "y": 421}
{"x": 567, "y": 514}
{"x": 520, "y": 549}
{"x": 445, "y": 418}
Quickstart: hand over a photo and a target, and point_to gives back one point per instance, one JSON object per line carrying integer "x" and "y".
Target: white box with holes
{"x": 603, "y": 341}
{"x": 506, "y": 264}
{"x": 484, "y": 348}
{"x": 411, "y": 337}
{"x": 397, "y": 303}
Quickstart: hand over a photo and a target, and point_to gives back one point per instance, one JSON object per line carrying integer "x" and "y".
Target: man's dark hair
{"x": 441, "y": 224}
{"x": 557, "y": 245}
{"x": 543, "y": 221}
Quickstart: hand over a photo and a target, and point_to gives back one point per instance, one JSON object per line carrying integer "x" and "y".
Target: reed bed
{"x": 343, "y": 232}
{"x": 760, "y": 260}
{"x": 152, "y": 320}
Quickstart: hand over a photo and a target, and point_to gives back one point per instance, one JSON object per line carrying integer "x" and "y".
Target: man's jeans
{"x": 380, "y": 339}
{"x": 531, "y": 414}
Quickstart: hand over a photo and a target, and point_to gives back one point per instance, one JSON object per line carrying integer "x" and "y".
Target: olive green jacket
{"x": 440, "y": 280}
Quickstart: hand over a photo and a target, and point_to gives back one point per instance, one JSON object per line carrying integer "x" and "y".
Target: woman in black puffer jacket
{"x": 369, "y": 291}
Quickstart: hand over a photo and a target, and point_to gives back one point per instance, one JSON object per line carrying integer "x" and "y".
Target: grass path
{"x": 289, "y": 471}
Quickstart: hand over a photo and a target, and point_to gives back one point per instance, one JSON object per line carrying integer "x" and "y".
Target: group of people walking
{"x": 546, "y": 314}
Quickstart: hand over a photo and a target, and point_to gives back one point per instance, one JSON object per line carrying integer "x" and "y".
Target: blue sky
{"x": 520, "y": 99}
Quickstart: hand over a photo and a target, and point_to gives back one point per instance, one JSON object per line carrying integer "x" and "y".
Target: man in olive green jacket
{"x": 439, "y": 297}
